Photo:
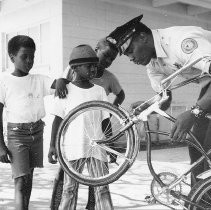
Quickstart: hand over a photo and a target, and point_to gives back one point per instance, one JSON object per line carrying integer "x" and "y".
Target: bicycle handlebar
{"x": 182, "y": 69}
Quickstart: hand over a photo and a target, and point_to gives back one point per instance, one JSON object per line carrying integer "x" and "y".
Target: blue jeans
{"x": 25, "y": 143}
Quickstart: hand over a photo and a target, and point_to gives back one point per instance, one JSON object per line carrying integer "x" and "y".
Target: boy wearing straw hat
{"x": 83, "y": 61}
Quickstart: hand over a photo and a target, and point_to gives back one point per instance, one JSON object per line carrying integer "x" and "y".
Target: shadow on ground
{"x": 128, "y": 193}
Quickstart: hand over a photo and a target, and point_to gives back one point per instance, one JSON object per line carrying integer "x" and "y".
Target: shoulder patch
{"x": 189, "y": 45}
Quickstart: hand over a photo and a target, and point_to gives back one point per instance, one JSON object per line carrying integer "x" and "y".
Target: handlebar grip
{"x": 185, "y": 67}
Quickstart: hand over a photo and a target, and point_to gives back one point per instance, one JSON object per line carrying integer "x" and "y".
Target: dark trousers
{"x": 91, "y": 199}
{"x": 202, "y": 131}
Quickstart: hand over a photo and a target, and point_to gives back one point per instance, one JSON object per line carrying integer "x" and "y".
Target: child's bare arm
{"x": 52, "y": 156}
{"x": 4, "y": 153}
{"x": 60, "y": 86}
{"x": 120, "y": 97}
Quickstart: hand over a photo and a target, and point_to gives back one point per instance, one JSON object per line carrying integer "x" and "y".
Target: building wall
{"x": 18, "y": 15}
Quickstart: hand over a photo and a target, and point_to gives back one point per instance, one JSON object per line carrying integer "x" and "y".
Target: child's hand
{"x": 4, "y": 155}
{"x": 52, "y": 156}
{"x": 61, "y": 89}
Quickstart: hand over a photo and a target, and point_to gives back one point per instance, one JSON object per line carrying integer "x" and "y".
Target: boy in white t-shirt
{"x": 21, "y": 94}
{"x": 83, "y": 61}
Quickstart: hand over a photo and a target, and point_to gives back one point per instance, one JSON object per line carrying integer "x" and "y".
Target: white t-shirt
{"x": 77, "y": 136}
{"x": 23, "y": 96}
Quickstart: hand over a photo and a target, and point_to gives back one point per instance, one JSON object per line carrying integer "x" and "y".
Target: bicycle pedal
{"x": 150, "y": 199}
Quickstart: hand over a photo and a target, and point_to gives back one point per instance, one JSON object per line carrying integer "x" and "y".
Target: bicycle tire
{"x": 126, "y": 156}
{"x": 200, "y": 194}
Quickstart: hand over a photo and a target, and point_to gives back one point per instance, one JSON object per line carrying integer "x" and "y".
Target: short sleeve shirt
{"x": 109, "y": 82}
{"x": 23, "y": 97}
{"x": 77, "y": 135}
{"x": 176, "y": 47}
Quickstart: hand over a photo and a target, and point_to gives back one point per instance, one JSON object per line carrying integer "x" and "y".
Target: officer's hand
{"x": 5, "y": 156}
{"x": 182, "y": 125}
{"x": 61, "y": 88}
{"x": 52, "y": 156}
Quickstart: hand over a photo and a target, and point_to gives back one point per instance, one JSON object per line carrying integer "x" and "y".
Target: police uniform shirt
{"x": 176, "y": 47}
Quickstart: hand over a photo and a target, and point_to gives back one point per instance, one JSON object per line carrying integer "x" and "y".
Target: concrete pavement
{"x": 128, "y": 193}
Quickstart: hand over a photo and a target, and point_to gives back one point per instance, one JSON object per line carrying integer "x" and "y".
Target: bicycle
{"x": 166, "y": 187}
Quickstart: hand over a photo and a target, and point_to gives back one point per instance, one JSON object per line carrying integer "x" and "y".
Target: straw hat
{"x": 83, "y": 54}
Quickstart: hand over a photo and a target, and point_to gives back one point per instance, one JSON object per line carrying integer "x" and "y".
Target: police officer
{"x": 164, "y": 51}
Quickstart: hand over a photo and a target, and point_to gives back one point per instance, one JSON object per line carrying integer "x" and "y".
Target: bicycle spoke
{"x": 108, "y": 149}
{"x": 100, "y": 121}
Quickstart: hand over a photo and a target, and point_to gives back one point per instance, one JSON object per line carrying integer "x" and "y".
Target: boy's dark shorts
{"x": 25, "y": 143}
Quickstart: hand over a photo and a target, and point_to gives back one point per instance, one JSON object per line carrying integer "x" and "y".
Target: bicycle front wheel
{"x": 103, "y": 139}
{"x": 201, "y": 195}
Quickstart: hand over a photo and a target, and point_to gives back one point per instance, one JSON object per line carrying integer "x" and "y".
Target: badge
{"x": 189, "y": 45}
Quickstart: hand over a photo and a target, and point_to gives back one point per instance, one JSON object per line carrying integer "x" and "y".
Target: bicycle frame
{"x": 184, "y": 175}
{"x": 153, "y": 106}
